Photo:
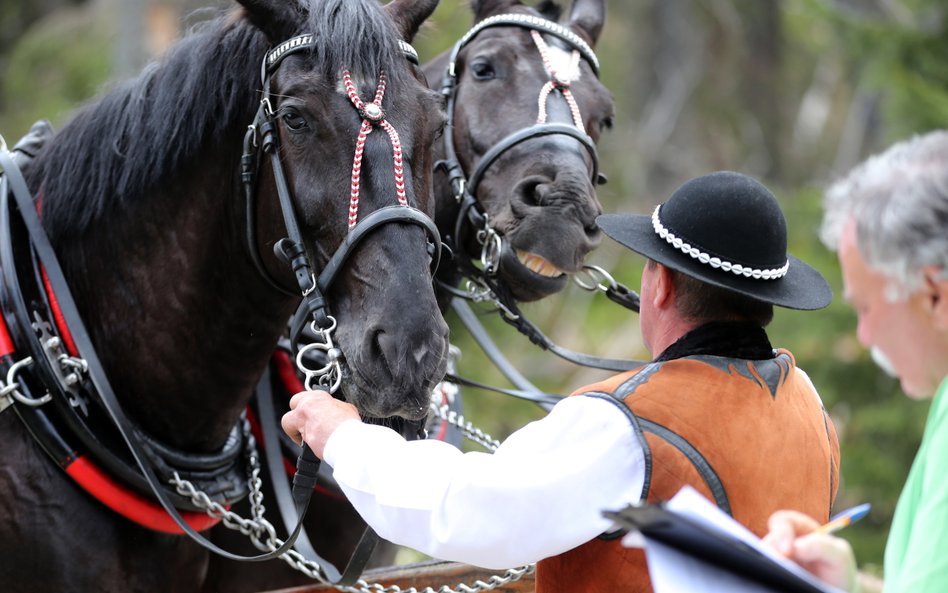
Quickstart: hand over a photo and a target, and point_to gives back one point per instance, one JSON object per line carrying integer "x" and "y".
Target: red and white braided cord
{"x": 364, "y": 131}
{"x": 559, "y": 81}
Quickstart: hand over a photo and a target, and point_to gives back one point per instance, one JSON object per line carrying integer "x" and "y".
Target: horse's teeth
{"x": 538, "y": 265}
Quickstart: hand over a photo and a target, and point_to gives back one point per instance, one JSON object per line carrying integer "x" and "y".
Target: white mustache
{"x": 883, "y": 362}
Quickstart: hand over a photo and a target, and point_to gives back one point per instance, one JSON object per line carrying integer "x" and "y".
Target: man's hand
{"x": 314, "y": 416}
{"x": 829, "y": 558}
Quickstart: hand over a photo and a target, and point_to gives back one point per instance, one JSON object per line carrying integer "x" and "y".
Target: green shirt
{"x": 916, "y": 553}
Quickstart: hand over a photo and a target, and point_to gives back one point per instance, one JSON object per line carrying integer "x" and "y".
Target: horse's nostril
{"x": 413, "y": 348}
{"x": 533, "y": 191}
{"x": 384, "y": 347}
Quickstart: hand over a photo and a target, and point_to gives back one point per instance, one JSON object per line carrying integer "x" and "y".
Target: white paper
{"x": 675, "y": 572}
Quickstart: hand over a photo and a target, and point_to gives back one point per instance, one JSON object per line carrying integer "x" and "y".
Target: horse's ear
{"x": 278, "y": 19}
{"x": 485, "y": 8}
{"x": 586, "y": 18}
{"x": 409, "y": 14}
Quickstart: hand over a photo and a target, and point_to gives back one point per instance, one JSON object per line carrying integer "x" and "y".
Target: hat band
{"x": 715, "y": 262}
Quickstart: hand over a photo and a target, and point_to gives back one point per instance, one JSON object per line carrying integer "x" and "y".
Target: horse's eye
{"x": 606, "y": 123}
{"x": 294, "y": 121}
{"x": 483, "y": 70}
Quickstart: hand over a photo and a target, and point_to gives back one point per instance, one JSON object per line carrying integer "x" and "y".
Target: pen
{"x": 844, "y": 519}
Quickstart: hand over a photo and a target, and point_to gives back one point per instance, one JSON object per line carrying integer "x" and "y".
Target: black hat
{"x": 725, "y": 229}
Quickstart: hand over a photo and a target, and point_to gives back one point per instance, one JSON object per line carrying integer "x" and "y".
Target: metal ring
{"x": 329, "y": 381}
{"x": 492, "y": 248}
{"x": 476, "y": 291}
{"x": 597, "y": 276}
{"x": 314, "y": 346}
{"x": 12, "y": 385}
{"x": 322, "y": 332}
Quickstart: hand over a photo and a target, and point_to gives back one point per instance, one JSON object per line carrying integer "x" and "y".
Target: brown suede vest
{"x": 758, "y": 430}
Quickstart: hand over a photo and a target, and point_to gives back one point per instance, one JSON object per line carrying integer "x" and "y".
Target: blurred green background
{"x": 793, "y": 92}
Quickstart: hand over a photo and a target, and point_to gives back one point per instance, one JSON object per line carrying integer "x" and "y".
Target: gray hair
{"x": 899, "y": 202}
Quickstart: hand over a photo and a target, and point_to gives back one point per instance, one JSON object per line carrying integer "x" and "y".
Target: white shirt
{"x": 540, "y": 494}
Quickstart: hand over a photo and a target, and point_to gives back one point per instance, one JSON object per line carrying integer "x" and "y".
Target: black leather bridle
{"x": 262, "y": 135}
{"x": 465, "y": 187}
{"x": 314, "y": 308}
{"x": 471, "y": 212}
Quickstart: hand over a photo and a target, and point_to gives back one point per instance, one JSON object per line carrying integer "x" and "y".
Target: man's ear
{"x": 937, "y": 285}
{"x": 664, "y": 288}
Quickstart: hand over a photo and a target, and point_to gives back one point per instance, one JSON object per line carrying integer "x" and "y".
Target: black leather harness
{"x": 50, "y": 364}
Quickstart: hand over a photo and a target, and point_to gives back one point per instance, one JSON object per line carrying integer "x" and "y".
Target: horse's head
{"x": 515, "y": 70}
{"x": 353, "y": 124}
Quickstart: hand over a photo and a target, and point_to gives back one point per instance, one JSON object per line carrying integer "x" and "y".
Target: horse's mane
{"x": 153, "y": 130}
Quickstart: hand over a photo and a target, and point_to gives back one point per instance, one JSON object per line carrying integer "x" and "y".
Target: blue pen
{"x": 844, "y": 519}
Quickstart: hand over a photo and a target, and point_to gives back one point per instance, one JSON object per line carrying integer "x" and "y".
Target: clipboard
{"x": 709, "y": 544}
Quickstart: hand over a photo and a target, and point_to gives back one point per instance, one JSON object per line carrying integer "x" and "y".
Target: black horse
{"x": 536, "y": 182}
{"x": 528, "y": 108}
{"x": 171, "y": 266}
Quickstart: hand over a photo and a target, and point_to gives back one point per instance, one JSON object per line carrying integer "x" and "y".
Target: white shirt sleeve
{"x": 540, "y": 494}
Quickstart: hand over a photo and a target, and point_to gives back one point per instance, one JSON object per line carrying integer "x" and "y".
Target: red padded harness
{"x": 93, "y": 479}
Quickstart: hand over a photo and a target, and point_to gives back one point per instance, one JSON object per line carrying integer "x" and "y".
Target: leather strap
{"x": 269, "y": 427}
{"x": 47, "y": 257}
{"x": 376, "y": 219}
{"x": 514, "y": 317}
{"x": 544, "y": 400}
{"x": 534, "y": 131}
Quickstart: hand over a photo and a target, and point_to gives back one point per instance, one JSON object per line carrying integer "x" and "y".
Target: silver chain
{"x": 263, "y": 535}
{"x": 467, "y": 429}
{"x": 509, "y": 576}
{"x": 255, "y": 528}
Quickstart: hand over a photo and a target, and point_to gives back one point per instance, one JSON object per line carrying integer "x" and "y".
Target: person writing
{"x": 888, "y": 222}
{"x": 717, "y": 407}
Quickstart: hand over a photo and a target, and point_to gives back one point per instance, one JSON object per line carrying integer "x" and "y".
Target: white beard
{"x": 883, "y": 362}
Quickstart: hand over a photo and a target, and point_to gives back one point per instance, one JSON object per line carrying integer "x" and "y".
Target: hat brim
{"x": 803, "y": 287}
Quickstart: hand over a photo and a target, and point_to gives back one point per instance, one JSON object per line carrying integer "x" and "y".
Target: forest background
{"x": 793, "y": 92}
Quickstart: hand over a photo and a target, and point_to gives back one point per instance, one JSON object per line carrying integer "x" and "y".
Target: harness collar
{"x": 61, "y": 405}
